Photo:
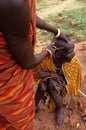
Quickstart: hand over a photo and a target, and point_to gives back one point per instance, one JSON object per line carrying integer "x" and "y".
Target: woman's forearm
{"x": 35, "y": 60}
{"x": 39, "y": 57}
{"x": 40, "y": 23}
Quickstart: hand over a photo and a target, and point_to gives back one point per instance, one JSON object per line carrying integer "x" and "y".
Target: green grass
{"x": 79, "y": 29}
{"x": 82, "y": 1}
{"x": 45, "y": 3}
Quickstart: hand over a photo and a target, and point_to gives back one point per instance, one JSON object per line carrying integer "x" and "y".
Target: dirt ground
{"x": 75, "y": 108}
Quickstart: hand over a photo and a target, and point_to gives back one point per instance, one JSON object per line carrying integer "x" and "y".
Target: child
{"x": 55, "y": 82}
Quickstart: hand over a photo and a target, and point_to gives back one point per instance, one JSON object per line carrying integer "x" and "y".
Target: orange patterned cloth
{"x": 33, "y": 22}
{"x": 16, "y": 87}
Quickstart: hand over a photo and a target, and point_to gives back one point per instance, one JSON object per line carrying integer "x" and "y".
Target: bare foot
{"x": 60, "y": 117}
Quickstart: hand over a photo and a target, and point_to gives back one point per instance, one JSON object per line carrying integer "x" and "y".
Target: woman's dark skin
{"x": 15, "y": 24}
{"x": 15, "y": 18}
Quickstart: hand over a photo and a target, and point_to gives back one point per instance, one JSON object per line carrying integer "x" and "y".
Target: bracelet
{"x": 49, "y": 52}
{"x": 58, "y": 34}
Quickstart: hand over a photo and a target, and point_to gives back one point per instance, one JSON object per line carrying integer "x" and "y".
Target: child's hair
{"x": 64, "y": 49}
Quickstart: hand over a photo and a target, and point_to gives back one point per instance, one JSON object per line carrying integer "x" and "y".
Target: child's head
{"x": 64, "y": 51}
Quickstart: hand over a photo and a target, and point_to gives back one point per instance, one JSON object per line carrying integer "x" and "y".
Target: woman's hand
{"x": 51, "y": 48}
{"x": 65, "y": 37}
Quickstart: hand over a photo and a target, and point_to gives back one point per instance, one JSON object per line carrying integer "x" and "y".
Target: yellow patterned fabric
{"x": 72, "y": 72}
{"x": 47, "y": 65}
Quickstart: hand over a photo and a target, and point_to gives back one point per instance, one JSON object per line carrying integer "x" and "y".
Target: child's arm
{"x": 43, "y": 74}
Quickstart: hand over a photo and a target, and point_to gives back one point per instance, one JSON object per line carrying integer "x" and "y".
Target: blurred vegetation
{"x": 72, "y": 22}
{"x": 42, "y": 4}
{"x": 82, "y": 1}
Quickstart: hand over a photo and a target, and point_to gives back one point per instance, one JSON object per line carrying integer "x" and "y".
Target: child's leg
{"x": 40, "y": 92}
{"x": 58, "y": 101}
{"x": 60, "y": 110}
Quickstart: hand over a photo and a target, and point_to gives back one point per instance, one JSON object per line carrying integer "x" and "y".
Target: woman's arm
{"x": 40, "y": 23}
{"x": 16, "y": 27}
{"x": 24, "y": 54}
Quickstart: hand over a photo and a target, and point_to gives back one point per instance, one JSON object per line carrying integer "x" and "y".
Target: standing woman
{"x": 17, "y": 60}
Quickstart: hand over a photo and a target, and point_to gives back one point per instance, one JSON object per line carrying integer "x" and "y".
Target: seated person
{"x": 55, "y": 82}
